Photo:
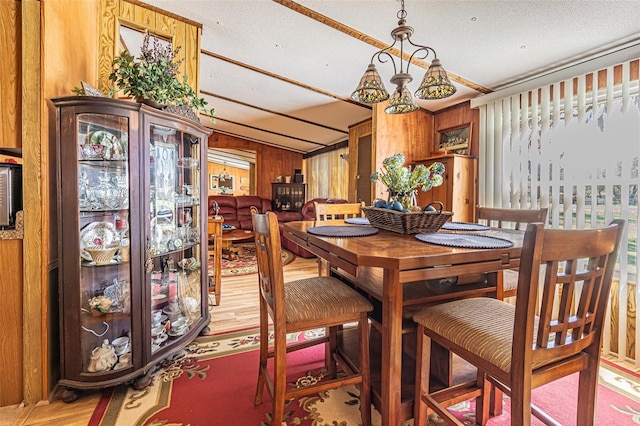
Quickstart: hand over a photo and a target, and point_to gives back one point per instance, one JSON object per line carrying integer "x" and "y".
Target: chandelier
{"x": 435, "y": 84}
{"x": 224, "y": 174}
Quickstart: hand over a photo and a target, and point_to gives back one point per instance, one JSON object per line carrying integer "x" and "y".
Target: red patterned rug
{"x": 213, "y": 383}
{"x": 246, "y": 262}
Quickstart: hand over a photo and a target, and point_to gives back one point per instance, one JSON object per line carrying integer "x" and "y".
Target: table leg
{"x": 391, "y": 348}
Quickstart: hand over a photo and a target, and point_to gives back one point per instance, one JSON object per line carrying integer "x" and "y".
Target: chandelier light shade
{"x": 371, "y": 89}
{"x": 435, "y": 84}
{"x": 401, "y": 102}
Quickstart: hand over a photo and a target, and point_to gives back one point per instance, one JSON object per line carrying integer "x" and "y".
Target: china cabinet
{"x": 288, "y": 197}
{"x": 132, "y": 235}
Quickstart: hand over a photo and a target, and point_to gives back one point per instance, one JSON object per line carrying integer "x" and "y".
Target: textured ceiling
{"x": 281, "y": 72}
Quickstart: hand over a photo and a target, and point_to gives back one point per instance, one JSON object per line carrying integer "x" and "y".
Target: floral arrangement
{"x": 403, "y": 182}
{"x": 153, "y": 76}
{"x": 101, "y": 304}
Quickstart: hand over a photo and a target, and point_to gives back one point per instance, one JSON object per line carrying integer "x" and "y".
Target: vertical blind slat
{"x": 542, "y": 142}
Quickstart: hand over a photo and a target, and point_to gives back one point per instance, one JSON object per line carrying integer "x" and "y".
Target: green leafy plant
{"x": 403, "y": 182}
{"x": 153, "y": 76}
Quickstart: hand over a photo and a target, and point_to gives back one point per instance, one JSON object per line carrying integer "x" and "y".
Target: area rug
{"x": 246, "y": 262}
{"x": 213, "y": 383}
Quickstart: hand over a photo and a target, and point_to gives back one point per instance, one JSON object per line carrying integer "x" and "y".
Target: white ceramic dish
{"x": 97, "y": 234}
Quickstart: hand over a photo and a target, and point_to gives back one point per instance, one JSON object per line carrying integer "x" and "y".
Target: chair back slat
{"x": 516, "y": 218}
{"x": 578, "y": 269}
{"x": 326, "y": 211}
{"x": 269, "y": 259}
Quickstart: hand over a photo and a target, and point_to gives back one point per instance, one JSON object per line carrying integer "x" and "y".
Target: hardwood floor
{"x": 238, "y": 309}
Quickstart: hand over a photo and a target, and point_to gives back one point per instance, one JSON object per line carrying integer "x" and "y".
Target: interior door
{"x": 363, "y": 183}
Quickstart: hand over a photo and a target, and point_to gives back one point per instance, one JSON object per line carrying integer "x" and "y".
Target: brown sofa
{"x": 236, "y": 212}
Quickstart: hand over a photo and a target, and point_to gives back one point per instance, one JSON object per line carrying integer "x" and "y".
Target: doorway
{"x": 231, "y": 171}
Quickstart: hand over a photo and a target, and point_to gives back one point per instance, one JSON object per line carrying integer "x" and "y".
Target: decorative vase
{"x": 407, "y": 199}
{"x": 150, "y": 102}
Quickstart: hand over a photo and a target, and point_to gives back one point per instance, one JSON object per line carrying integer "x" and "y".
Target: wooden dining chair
{"x": 326, "y": 211}
{"x": 507, "y": 280}
{"x": 329, "y": 211}
{"x": 214, "y": 252}
{"x": 306, "y": 304}
{"x": 518, "y": 348}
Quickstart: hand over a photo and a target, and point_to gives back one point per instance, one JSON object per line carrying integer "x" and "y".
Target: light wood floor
{"x": 238, "y": 309}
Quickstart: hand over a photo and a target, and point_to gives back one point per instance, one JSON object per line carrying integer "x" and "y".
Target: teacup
{"x": 121, "y": 345}
{"x": 180, "y": 325}
{"x": 156, "y": 315}
{"x": 172, "y": 314}
{"x": 158, "y": 334}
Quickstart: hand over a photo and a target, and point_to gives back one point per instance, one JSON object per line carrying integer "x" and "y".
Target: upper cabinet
{"x": 132, "y": 222}
{"x": 457, "y": 192}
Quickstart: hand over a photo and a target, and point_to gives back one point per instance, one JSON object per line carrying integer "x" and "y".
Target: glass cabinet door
{"x": 173, "y": 235}
{"x": 103, "y": 189}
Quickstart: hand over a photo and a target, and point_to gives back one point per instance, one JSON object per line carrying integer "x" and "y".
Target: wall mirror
{"x": 131, "y": 39}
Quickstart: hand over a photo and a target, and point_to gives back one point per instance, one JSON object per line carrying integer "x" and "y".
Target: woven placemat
{"x": 464, "y": 226}
{"x": 464, "y": 240}
{"x": 358, "y": 220}
{"x": 342, "y": 231}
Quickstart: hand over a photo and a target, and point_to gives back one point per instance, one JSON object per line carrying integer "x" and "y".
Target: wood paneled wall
{"x": 241, "y": 178}
{"x": 11, "y": 341}
{"x": 10, "y": 70}
{"x": 11, "y": 381}
{"x": 270, "y": 161}
{"x": 410, "y": 134}
{"x": 454, "y": 116}
{"x": 135, "y": 14}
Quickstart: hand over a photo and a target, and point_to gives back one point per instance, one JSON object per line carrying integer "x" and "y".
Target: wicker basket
{"x": 407, "y": 223}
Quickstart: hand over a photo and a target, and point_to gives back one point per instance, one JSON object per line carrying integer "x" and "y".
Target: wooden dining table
{"x": 399, "y": 272}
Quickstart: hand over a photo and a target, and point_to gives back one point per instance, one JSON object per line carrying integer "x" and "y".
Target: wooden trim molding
{"x": 34, "y": 249}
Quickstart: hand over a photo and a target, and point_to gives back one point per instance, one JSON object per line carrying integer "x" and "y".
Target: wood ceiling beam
{"x": 372, "y": 41}
{"x": 235, "y": 101}
{"x": 270, "y": 132}
{"x": 281, "y": 78}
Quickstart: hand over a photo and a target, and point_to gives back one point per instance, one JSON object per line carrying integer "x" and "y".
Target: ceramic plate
{"x": 97, "y": 234}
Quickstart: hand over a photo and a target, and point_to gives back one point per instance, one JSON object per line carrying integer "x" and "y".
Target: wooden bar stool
{"x": 517, "y": 348}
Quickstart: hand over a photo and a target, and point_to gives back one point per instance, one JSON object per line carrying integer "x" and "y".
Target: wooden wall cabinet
{"x": 129, "y": 179}
{"x": 457, "y": 192}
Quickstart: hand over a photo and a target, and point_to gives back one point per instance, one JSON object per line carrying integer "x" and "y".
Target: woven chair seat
{"x": 321, "y": 298}
{"x": 471, "y": 324}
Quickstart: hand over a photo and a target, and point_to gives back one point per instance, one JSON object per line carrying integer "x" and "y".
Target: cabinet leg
{"x": 70, "y": 395}
{"x": 142, "y": 382}
{"x": 205, "y": 330}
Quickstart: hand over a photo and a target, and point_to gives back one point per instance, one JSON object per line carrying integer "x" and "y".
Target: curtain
{"x": 573, "y": 146}
{"x": 327, "y": 174}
